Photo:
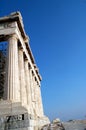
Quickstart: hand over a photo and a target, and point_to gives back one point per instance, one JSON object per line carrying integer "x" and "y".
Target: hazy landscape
{"x": 69, "y": 125}
{"x": 75, "y": 125}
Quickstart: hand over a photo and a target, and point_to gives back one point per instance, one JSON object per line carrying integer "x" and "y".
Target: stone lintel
{"x": 16, "y": 16}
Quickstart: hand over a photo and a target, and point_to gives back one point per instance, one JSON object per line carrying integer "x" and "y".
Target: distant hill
{"x": 75, "y": 125}
{"x": 70, "y": 125}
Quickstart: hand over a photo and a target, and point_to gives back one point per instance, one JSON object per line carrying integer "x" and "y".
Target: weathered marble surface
{"x": 22, "y": 93}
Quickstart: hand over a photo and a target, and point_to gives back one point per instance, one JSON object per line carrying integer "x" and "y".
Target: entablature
{"x": 13, "y": 25}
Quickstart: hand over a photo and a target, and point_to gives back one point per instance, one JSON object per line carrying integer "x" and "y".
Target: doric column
{"x": 40, "y": 105}
{"x": 22, "y": 78}
{"x": 12, "y": 87}
{"x": 31, "y": 86}
{"x": 33, "y": 95}
{"x": 36, "y": 99}
{"x": 28, "y": 85}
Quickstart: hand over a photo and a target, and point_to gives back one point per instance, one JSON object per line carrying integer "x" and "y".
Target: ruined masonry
{"x": 20, "y": 96}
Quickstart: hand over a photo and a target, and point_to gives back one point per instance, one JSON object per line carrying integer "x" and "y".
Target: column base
{"x": 14, "y": 116}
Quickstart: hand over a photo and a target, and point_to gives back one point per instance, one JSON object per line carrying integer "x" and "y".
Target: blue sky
{"x": 57, "y": 31}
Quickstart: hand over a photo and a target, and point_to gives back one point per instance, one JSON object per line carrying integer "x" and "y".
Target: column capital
{"x": 21, "y": 48}
{"x": 26, "y": 60}
{"x": 13, "y": 36}
{"x": 29, "y": 66}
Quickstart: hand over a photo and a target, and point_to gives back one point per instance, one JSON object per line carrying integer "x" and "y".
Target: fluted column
{"x": 31, "y": 86}
{"x": 36, "y": 99}
{"x": 23, "y": 95}
{"x": 40, "y": 105}
{"x": 12, "y": 87}
{"x": 34, "y": 96}
{"x": 28, "y": 87}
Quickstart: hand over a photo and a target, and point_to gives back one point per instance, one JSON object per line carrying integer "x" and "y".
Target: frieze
{"x": 7, "y": 25}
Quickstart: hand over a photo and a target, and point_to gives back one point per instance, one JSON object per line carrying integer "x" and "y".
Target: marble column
{"x": 36, "y": 98}
{"x": 23, "y": 95}
{"x": 12, "y": 86}
{"x": 31, "y": 86}
{"x": 28, "y": 86}
{"x": 40, "y": 105}
{"x": 33, "y": 95}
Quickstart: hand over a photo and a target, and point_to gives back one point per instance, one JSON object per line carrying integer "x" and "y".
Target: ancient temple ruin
{"x": 20, "y": 96}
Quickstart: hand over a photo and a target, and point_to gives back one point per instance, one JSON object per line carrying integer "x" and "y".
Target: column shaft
{"x": 31, "y": 86}
{"x": 28, "y": 87}
{"x": 40, "y": 105}
{"x": 12, "y": 87}
{"x": 23, "y": 94}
